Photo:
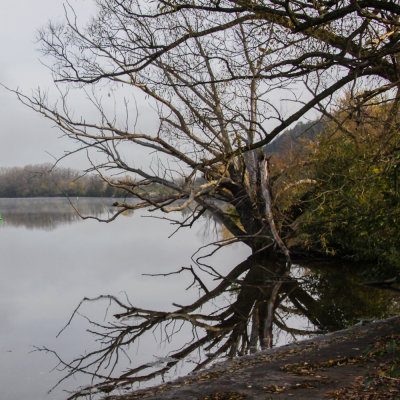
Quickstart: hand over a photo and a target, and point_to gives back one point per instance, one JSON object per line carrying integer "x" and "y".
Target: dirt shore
{"x": 357, "y": 363}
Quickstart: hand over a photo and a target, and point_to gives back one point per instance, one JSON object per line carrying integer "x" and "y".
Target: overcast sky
{"x": 26, "y": 137}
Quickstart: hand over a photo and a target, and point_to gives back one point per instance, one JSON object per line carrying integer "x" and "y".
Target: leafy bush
{"x": 354, "y": 208}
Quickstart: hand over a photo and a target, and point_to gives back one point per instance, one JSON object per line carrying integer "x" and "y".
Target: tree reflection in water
{"x": 227, "y": 319}
{"x": 231, "y": 315}
{"x": 49, "y": 213}
{"x": 336, "y": 287}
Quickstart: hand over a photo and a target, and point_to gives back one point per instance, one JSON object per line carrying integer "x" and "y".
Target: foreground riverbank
{"x": 361, "y": 362}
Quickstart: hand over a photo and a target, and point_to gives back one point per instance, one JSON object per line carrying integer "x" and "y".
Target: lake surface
{"x": 51, "y": 259}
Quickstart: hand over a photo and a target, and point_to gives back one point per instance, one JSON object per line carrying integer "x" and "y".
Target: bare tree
{"x": 226, "y": 77}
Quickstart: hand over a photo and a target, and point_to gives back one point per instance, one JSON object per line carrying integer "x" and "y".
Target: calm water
{"x": 51, "y": 259}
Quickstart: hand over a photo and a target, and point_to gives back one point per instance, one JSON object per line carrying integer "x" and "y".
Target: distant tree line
{"x": 44, "y": 181}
